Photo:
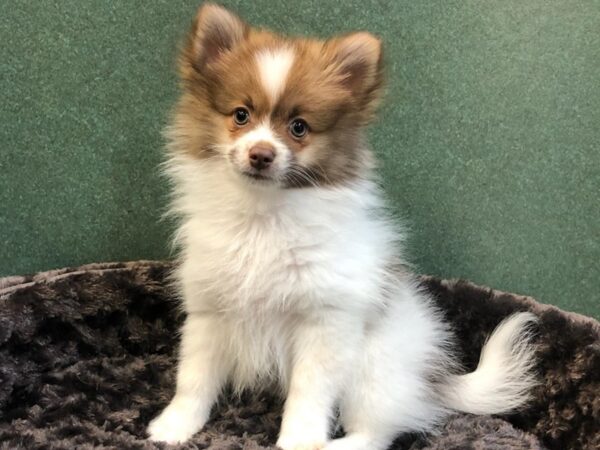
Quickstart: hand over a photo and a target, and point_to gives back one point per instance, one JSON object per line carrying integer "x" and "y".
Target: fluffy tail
{"x": 504, "y": 376}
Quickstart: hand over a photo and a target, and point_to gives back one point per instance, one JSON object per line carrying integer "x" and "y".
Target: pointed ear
{"x": 358, "y": 59}
{"x": 215, "y": 31}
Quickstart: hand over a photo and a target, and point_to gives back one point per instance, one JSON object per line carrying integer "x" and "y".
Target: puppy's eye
{"x": 298, "y": 128}
{"x": 241, "y": 116}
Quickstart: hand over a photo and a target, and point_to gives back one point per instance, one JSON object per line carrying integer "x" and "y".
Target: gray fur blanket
{"x": 87, "y": 359}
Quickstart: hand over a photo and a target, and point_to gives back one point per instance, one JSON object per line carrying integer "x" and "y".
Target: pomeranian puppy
{"x": 291, "y": 272}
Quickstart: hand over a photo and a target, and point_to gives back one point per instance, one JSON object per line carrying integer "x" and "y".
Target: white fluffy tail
{"x": 504, "y": 376}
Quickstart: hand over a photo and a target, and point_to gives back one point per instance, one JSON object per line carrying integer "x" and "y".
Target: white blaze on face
{"x": 273, "y": 69}
{"x": 274, "y": 66}
{"x": 261, "y": 133}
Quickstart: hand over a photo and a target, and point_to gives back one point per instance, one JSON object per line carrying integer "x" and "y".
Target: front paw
{"x": 176, "y": 424}
{"x": 300, "y": 443}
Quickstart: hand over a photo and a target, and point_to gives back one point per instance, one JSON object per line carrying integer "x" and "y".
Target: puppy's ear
{"x": 358, "y": 60}
{"x": 215, "y": 31}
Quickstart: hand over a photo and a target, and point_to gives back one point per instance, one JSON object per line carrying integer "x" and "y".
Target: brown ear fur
{"x": 214, "y": 32}
{"x": 358, "y": 58}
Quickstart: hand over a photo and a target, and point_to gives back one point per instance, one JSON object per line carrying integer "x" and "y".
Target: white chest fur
{"x": 254, "y": 247}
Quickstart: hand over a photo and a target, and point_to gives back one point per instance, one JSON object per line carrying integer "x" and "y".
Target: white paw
{"x": 299, "y": 443}
{"x": 357, "y": 442}
{"x": 176, "y": 424}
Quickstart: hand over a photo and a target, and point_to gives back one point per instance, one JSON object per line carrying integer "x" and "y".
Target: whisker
{"x": 309, "y": 176}
{"x": 324, "y": 173}
{"x": 301, "y": 174}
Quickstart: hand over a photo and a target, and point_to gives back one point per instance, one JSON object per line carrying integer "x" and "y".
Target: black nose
{"x": 261, "y": 156}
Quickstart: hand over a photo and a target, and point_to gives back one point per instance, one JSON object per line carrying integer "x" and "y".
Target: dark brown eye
{"x": 298, "y": 128}
{"x": 241, "y": 116}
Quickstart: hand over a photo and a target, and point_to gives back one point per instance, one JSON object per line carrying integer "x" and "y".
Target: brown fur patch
{"x": 333, "y": 85}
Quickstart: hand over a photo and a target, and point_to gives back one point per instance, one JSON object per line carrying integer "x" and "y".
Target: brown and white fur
{"x": 290, "y": 270}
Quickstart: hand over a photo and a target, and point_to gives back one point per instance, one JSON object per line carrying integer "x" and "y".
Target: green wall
{"x": 489, "y": 138}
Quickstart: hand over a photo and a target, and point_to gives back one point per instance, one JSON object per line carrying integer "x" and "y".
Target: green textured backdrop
{"x": 489, "y": 138}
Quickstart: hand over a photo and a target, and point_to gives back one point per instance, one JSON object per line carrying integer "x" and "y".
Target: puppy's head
{"x": 278, "y": 111}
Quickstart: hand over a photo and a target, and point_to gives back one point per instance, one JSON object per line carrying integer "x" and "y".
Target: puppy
{"x": 290, "y": 269}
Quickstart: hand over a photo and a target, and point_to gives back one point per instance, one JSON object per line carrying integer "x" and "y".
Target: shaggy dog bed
{"x": 87, "y": 358}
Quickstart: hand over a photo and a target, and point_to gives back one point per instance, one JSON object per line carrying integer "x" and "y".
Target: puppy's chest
{"x": 274, "y": 259}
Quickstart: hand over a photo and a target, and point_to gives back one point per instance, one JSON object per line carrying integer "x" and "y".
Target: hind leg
{"x": 391, "y": 393}
{"x": 374, "y": 417}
